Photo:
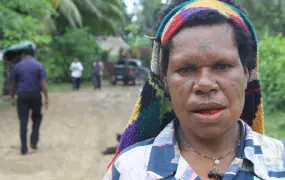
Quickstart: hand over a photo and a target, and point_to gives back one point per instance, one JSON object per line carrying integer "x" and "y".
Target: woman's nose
{"x": 205, "y": 82}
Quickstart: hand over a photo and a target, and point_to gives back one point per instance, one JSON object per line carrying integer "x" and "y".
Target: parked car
{"x": 128, "y": 71}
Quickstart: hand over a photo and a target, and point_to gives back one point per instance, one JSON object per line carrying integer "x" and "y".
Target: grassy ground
{"x": 3, "y": 104}
{"x": 53, "y": 87}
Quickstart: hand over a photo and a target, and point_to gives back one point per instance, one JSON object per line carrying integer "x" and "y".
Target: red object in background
{"x": 131, "y": 72}
{"x": 145, "y": 51}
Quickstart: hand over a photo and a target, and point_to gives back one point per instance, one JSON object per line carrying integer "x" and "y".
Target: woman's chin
{"x": 208, "y": 133}
{"x": 210, "y": 130}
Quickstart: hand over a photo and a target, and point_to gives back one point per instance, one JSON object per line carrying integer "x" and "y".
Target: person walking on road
{"x": 101, "y": 70}
{"x": 76, "y": 73}
{"x": 28, "y": 81}
{"x": 96, "y": 74}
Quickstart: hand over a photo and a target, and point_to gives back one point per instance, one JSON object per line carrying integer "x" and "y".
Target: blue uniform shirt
{"x": 28, "y": 74}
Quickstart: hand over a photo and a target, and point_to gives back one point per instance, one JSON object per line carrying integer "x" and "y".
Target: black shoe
{"x": 24, "y": 151}
{"x": 34, "y": 146}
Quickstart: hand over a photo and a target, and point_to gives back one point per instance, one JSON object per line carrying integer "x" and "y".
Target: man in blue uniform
{"x": 28, "y": 81}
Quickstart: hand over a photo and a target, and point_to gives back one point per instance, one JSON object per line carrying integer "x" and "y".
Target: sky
{"x": 130, "y": 4}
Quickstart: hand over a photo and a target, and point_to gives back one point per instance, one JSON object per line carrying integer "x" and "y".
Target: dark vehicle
{"x": 129, "y": 71}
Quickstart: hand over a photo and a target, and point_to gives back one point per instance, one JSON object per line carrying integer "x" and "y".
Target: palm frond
{"x": 69, "y": 9}
{"x": 56, "y": 3}
{"x": 116, "y": 13}
{"x": 95, "y": 6}
{"x": 116, "y": 3}
{"x": 109, "y": 25}
{"x": 49, "y": 25}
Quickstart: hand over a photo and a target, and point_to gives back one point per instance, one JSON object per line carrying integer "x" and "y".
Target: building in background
{"x": 113, "y": 44}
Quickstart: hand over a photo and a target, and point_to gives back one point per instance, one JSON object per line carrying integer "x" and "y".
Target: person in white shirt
{"x": 76, "y": 69}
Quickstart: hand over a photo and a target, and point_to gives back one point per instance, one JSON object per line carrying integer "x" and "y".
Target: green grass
{"x": 54, "y": 87}
{"x": 275, "y": 124}
{"x": 4, "y": 104}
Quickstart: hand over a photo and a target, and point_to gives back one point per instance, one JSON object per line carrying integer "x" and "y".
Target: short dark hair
{"x": 247, "y": 47}
{"x": 29, "y": 51}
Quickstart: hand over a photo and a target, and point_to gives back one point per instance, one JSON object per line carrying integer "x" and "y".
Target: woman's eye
{"x": 186, "y": 70}
{"x": 222, "y": 66}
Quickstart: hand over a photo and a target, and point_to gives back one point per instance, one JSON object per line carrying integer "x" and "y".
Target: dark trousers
{"x": 26, "y": 102}
{"x": 75, "y": 83}
{"x": 97, "y": 81}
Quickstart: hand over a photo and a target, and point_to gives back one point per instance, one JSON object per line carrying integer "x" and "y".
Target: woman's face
{"x": 206, "y": 79}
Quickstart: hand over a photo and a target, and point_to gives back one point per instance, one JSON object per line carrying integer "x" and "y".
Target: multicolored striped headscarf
{"x": 153, "y": 110}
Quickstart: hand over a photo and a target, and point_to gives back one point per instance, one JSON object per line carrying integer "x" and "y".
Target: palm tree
{"x": 69, "y": 10}
{"x": 99, "y": 15}
{"x": 104, "y": 16}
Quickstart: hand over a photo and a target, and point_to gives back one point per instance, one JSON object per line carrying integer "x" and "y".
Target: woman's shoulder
{"x": 140, "y": 150}
{"x": 132, "y": 162}
{"x": 271, "y": 147}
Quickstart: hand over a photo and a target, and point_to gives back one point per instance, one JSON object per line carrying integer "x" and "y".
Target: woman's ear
{"x": 246, "y": 76}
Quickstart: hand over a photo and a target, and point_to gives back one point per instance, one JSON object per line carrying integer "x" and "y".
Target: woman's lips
{"x": 209, "y": 112}
{"x": 208, "y": 116}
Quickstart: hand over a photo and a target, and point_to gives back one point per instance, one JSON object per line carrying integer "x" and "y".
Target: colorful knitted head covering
{"x": 153, "y": 110}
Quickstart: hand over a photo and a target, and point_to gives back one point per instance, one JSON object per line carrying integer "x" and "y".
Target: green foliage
{"x": 146, "y": 19}
{"x": 149, "y": 16}
{"x": 102, "y": 17}
{"x": 33, "y": 19}
{"x": 1, "y": 77}
{"x": 35, "y": 8}
{"x": 38, "y": 20}
{"x": 266, "y": 15}
{"x": 272, "y": 73}
{"x": 69, "y": 10}
{"x": 27, "y": 29}
{"x": 132, "y": 28}
{"x": 275, "y": 124}
{"x": 140, "y": 42}
{"x": 142, "y": 46}
{"x": 74, "y": 43}
{"x": 21, "y": 20}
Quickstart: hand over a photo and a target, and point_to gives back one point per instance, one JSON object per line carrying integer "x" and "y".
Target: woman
{"x": 200, "y": 115}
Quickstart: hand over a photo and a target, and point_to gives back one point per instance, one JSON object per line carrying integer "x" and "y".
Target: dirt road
{"x": 75, "y": 129}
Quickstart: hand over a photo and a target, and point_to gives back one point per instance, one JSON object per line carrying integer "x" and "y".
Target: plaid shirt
{"x": 257, "y": 157}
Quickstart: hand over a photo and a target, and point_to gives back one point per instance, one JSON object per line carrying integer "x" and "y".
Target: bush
{"x": 24, "y": 20}
{"x": 272, "y": 71}
{"x": 74, "y": 43}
